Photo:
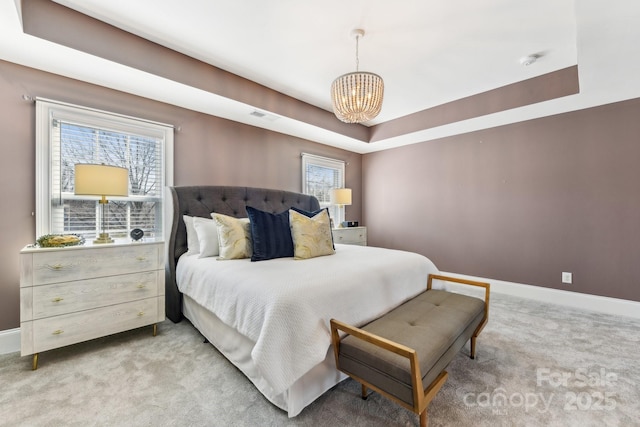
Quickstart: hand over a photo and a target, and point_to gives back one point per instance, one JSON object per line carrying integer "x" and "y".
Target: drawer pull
{"x": 141, "y": 258}
{"x": 140, "y": 313}
{"x": 57, "y": 299}
{"x": 57, "y": 332}
{"x": 141, "y": 286}
{"x": 55, "y": 266}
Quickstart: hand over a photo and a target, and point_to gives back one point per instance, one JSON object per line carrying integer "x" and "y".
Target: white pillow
{"x": 207, "y": 237}
{"x": 234, "y": 236}
{"x": 193, "y": 247}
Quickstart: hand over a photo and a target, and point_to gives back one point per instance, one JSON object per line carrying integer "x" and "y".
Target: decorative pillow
{"x": 314, "y": 213}
{"x": 234, "y": 236}
{"x": 311, "y": 236}
{"x": 207, "y": 233}
{"x": 270, "y": 235}
{"x": 193, "y": 247}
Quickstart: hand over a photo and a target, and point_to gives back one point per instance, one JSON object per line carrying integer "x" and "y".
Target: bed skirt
{"x": 237, "y": 349}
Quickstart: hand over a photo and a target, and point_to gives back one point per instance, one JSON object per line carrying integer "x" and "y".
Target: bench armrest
{"x": 384, "y": 343}
{"x": 484, "y": 285}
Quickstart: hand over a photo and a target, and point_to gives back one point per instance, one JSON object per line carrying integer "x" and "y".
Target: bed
{"x": 271, "y": 318}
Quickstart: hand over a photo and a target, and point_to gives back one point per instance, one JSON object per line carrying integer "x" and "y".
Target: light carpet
{"x": 537, "y": 365}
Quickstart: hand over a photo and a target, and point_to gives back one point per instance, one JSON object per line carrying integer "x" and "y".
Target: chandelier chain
{"x": 357, "y": 54}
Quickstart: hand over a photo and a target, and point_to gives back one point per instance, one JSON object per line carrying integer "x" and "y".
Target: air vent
{"x": 262, "y": 115}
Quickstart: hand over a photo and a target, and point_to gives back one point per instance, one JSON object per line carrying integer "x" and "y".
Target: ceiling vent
{"x": 263, "y": 115}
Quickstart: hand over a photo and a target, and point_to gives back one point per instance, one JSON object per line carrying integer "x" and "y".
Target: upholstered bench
{"x": 403, "y": 354}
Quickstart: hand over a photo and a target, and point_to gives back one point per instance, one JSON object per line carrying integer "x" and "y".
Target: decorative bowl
{"x": 59, "y": 240}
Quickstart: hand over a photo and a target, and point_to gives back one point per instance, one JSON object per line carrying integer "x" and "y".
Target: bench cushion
{"x": 436, "y": 324}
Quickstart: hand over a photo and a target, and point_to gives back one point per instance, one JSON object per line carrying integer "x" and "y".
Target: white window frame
{"x": 48, "y": 110}
{"x": 337, "y": 213}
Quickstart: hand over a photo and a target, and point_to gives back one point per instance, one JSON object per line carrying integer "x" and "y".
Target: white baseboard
{"x": 10, "y": 341}
{"x": 615, "y": 306}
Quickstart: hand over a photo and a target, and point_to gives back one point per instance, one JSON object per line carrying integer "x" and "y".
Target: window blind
{"x": 79, "y": 135}
{"x": 319, "y": 176}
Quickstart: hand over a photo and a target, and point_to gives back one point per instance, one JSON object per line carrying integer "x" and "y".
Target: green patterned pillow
{"x": 234, "y": 236}
{"x": 311, "y": 236}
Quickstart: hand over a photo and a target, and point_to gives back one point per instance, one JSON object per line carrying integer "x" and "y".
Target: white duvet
{"x": 284, "y": 305}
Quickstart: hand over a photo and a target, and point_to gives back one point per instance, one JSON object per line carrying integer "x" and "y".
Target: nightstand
{"x": 74, "y": 294}
{"x": 350, "y": 235}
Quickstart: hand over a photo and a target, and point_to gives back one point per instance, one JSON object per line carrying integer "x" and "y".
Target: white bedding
{"x": 284, "y": 305}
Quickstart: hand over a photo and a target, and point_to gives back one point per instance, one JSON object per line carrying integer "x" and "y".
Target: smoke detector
{"x": 529, "y": 59}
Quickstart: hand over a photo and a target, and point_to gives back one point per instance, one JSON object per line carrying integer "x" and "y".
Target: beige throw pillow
{"x": 234, "y": 236}
{"x": 311, "y": 236}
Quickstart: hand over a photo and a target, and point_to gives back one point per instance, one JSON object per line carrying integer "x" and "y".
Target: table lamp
{"x": 341, "y": 197}
{"x": 101, "y": 180}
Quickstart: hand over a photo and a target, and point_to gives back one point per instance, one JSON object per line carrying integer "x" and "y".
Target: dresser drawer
{"x": 350, "y": 236}
{"x": 71, "y": 264}
{"x": 62, "y": 298}
{"x": 54, "y": 332}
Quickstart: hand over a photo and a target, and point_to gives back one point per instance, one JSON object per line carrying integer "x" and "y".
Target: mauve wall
{"x": 208, "y": 150}
{"x": 520, "y": 203}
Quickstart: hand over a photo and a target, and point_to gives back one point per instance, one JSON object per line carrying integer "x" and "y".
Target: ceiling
{"x": 429, "y": 53}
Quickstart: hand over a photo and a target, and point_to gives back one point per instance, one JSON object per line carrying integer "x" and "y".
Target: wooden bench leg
{"x": 423, "y": 419}
{"x": 473, "y": 347}
{"x": 364, "y": 392}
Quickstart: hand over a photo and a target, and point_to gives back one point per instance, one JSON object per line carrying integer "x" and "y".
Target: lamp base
{"x": 103, "y": 238}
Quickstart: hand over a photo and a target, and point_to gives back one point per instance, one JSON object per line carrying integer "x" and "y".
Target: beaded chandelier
{"x": 357, "y": 97}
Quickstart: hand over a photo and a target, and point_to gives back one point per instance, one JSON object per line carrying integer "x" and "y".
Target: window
{"x": 319, "y": 176}
{"x": 68, "y": 134}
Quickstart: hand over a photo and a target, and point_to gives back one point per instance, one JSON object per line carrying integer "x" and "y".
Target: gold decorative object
{"x": 59, "y": 240}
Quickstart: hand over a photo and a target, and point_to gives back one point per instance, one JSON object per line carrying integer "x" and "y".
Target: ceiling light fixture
{"x": 357, "y": 97}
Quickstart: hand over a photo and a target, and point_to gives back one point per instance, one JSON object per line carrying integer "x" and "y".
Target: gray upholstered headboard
{"x": 201, "y": 201}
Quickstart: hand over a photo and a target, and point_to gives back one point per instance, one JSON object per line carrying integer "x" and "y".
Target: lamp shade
{"x": 101, "y": 180}
{"x": 341, "y": 196}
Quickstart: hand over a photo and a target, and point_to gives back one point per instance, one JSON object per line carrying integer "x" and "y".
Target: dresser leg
{"x": 155, "y": 329}
{"x": 34, "y": 365}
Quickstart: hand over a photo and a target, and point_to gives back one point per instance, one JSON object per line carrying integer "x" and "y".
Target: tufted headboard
{"x": 227, "y": 200}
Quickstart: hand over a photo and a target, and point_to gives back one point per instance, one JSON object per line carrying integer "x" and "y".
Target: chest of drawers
{"x": 350, "y": 235}
{"x": 69, "y": 295}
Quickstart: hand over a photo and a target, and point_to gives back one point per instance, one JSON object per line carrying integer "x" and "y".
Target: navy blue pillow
{"x": 270, "y": 234}
{"x": 314, "y": 213}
